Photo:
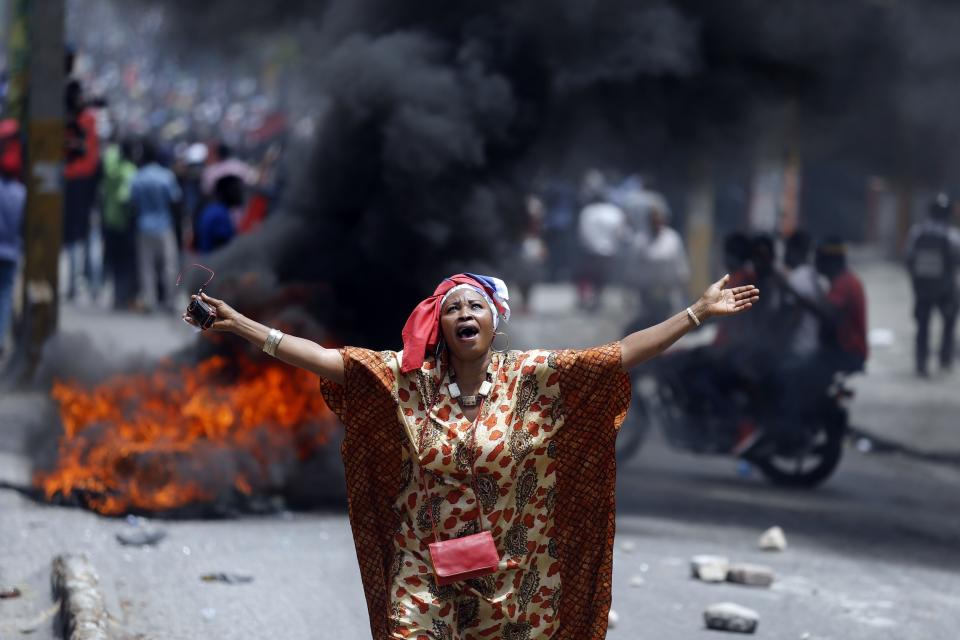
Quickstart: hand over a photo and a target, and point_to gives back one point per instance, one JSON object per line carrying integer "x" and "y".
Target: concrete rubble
{"x": 708, "y": 568}
{"x": 773, "y": 539}
{"x": 727, "y": 616}
{"x": 83, "y": 615}
{"x": 752, "y": 575}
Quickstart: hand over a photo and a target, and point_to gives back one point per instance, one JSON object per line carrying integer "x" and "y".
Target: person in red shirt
{"x": 81, "y": 176}
{"x": 843, "y": 314}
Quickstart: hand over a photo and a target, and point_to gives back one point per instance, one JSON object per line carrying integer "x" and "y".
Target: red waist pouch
{"x": 463, "y": 558}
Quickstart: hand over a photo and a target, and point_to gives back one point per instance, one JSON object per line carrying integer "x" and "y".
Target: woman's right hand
{"x": 226, "y": 317}
{"x": 306, "y": 354}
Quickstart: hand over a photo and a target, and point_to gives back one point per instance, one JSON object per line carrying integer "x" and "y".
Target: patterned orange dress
{"x": 542, "y": 484}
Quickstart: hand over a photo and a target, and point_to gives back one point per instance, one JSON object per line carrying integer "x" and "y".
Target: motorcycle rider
{"x": 843, "y": 337}
{"x": 933, "y": 256}
{"x": 843, "y": 313}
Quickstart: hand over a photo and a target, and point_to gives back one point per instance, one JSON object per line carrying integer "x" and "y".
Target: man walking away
{"x": 155, "y": 195}
{"x": 933, "y": 253}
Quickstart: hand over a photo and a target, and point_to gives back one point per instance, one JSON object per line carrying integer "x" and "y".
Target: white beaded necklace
{"x": 471, "y": 401}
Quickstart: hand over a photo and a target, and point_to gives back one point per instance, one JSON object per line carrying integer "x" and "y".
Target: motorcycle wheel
{"x": 811, "y": 465}
{"x": 637, "y": 423}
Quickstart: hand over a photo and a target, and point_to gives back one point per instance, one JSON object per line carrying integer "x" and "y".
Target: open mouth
{"x": 468, "y": 332}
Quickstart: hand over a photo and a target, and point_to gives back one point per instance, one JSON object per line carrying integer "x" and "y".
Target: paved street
{"x": 872, "y": 554}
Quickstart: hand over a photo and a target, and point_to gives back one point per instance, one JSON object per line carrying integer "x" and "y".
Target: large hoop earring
{"x": 504, "y": 334}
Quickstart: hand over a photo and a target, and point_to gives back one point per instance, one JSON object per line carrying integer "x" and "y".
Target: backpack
{"x": 932, "y": 266}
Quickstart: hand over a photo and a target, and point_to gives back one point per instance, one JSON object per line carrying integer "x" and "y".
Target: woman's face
{"x": 466, "y": 323}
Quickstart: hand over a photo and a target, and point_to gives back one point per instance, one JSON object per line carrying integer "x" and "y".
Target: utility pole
{"x": 37, "y": 61}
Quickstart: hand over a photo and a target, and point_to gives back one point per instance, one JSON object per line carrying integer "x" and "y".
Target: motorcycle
{"x": 705, "y": 408}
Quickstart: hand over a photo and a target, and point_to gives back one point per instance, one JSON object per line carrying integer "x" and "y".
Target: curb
{"x": 75, "y": 583}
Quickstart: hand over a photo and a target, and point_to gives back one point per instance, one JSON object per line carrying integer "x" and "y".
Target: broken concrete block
{"x": 82, "y": 612}
{"x": 773, "y": 539}
{"x": 709, "y": 568}
{"x": 754, "y": 575}
{"x": 727, "y": 616}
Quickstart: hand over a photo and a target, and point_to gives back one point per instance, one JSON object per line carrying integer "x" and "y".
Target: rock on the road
{"x": 754, "y": 575}
{"x": 773, "y": 539}
{"x": 709, "y": 568}
{"x": 728, "y": 616}
{"x": 76, "y": 584}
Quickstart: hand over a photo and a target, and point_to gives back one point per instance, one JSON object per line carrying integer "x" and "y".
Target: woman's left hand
{"x": 720, "y": 301}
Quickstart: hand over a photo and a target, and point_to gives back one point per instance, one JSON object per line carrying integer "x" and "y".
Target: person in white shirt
{"x": 603, "y": 230}
{"x": 802, "y": 278}
{"x": 664, "y": 265}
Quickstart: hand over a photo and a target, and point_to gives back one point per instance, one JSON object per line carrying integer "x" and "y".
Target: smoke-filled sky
{"x": 441, "y": 112}
{"x": 855, "y": 69}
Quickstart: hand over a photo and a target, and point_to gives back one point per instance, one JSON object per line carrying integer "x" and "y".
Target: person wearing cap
{"x": 452, "y": 441}
{"x": 933, "y": 258}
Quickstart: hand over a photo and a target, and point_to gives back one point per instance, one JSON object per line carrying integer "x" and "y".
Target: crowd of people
{"x": 155, "y": 84}
{"x": 811, "y": 322}
{"x": 149, "y": 201}
{"x": 618, "y": 232}
{"x": 140, "y": 195}
{"x": 604, "y": 232}
{"x": 809, "y": 325}
{"x": 152, "y": 209}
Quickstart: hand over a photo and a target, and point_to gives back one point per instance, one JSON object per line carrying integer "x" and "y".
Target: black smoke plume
{"x": 439, "y": 114}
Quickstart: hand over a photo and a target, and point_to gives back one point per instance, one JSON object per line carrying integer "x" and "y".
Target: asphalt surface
{"x": 872, "y": 554}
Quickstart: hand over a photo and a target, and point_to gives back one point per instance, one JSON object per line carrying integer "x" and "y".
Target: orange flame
{"x": 179, "y": 436}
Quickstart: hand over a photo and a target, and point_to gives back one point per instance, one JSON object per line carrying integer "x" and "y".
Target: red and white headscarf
{"x": 422, "y": 329}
